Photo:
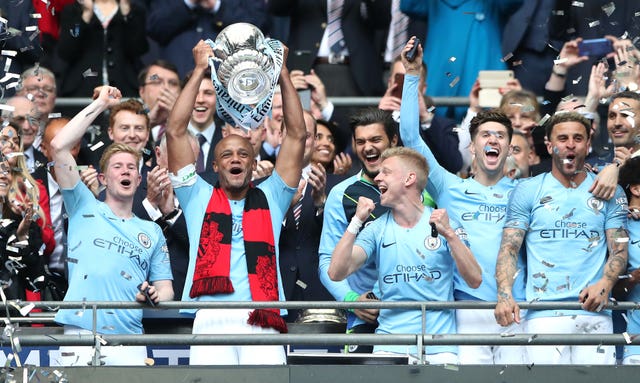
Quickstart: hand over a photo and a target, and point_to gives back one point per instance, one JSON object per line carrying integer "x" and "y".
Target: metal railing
{"x": 337, "y": 101}
{"x": 420, "y": 339}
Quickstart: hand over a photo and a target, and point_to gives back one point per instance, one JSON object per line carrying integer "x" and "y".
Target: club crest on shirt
{"x": 432, "y": 243}
{"x": 595, "y": 204}
{"x": 144, "y": 240}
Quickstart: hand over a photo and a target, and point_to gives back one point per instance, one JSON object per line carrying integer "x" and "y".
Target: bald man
{"x": 26, "y": 115}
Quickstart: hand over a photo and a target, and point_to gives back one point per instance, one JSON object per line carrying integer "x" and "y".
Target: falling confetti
{"x": 609, "y": 9}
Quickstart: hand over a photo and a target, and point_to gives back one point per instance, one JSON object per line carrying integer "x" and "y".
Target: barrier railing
{"x": 420, "y": 339}
{"x": 337, "y": 101}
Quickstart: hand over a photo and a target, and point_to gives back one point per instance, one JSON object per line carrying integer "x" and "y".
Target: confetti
{"x": 125, "y": 275}
{"x": 544, "y": 120}
{"x": 516, "y": 274}
{"x": 452, "y": 367}
{"x": 626, "y": 337}
{"x": 7, "y": 64}
{"x": 548, "y": 264}
{"x": 532, "y": 338}
{"x": 608, "y": 9}
{"x": 624, "y": 316}
{"x": 507, "y": 57}
{"x": 8, "y": 52}
{"x": 89, "y": 73}
{"x": 557, "y": 12}
{"x": 560, "y": 61}
{"x": 579, "y": 4}
{"x": 301, "y": 284}
{"x": 24, "y": 311}
{"x": 54, "y": 115}
{"x": 452, "y": 59}
{"x": 594, "y": 23}
{"x": 577, "y": 80}
{"x": 454, "y": 82}
{"x": 31, "y": 28}
{"x": 96, "y": 146}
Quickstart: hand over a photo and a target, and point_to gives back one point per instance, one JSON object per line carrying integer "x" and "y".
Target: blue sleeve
{"x": 160, "y": 265}
{"x": 367, "y": 238}
{"x": 617, "y": 208}
{"x": 333, "y": 227}
{"x": 439, "y": 177}
{"x": 77, "y": 197}
{"x": 520, "y": 206}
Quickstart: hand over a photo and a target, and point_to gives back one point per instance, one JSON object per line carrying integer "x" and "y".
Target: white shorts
{"x": 232, "y": 321}
{"x": 83, "y": 355}
{"x": 571, "y": 324}
{"x": 470, "y": 321}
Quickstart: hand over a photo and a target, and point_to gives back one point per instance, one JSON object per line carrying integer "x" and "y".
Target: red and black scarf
{"x": 211, "y": 274}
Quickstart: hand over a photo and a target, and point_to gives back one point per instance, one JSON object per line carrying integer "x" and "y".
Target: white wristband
{"x": 354, "y": 225}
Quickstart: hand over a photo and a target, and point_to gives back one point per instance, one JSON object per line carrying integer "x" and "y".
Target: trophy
{"x": 245, "y": 70}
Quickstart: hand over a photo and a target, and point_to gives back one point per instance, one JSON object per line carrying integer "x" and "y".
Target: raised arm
{"x": 66, "y": 168}
{"x": 289, "y": 161}
{"x": 507, "y": 311}
{"x": 178, "y": 148}
{"x": 346, "y": 257}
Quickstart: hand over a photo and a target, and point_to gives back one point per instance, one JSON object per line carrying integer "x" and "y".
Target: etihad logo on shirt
{"x": 121, "y": 246}
{"x": 569, "y": 230}
{"x": 411, "y": 274}
{"x": 486, "y": 213}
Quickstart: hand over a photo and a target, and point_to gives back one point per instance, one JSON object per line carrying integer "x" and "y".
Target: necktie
{"x": 297, "y": 212}
{"x": 400, "y": 24}
{"x": 334, "y": 26}
{"x": 200, "y": 161}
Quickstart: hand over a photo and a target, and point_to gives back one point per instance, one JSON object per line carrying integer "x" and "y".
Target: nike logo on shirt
{"x": 385, "y": 245}
{"x": 466, "y": 191}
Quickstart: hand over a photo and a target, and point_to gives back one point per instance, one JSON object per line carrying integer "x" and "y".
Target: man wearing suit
{"x": 26, "y": 115}
{"x": 300, "y": 237}
{"x": 205, "y": 126}
{"x": 161, "y": 206}
{"x": 177, "y": 25}
{"x": 526, "y": 37}
{"x": 356, "y": 68}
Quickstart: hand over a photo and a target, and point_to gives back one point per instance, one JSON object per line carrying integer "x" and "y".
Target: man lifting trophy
{"x": 245, "y": 72}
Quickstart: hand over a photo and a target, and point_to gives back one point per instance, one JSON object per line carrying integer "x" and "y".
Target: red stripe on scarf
{"x": 212, "y": 268}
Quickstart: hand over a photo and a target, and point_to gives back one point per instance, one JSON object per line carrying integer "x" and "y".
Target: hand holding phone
{"x": 595, "y": 47}
{"x": 411, "y": 55}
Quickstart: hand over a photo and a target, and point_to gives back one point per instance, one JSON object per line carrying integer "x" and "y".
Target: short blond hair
{"x": 412, "y": 160}
{"x": 115, "y": 149}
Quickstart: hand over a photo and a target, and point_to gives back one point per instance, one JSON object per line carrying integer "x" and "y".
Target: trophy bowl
{"x": 245, "y": 70}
